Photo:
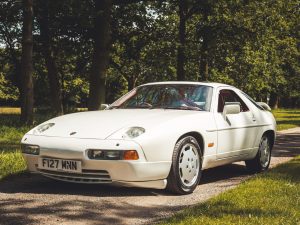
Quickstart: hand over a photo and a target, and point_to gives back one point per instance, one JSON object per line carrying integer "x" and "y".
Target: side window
{"x": 230, "y": 96}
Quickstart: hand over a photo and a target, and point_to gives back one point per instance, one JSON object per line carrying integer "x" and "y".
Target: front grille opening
{"x": 87, "y": 176}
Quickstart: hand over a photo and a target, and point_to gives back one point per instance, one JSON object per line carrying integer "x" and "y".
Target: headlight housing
{"x": 42, "y": 128}
{"x": 30, "y": 149}
{"x": 98, "y": 154}
{"x": 133, "y": 132}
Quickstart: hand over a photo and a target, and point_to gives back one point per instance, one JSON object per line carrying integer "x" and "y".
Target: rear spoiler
{"x": 264, "y": 105}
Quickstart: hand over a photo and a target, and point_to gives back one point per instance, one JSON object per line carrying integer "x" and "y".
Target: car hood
{"x": 102, "y": 124}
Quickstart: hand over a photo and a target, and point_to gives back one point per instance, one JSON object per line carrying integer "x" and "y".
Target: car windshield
{"x": 167, "y": 96}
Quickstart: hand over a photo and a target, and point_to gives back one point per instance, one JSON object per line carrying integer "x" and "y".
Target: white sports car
{"x": 159, "y": 135}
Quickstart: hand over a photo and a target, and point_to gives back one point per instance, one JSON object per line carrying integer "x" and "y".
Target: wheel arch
{"x": 271, "y": 135}
{"x": 197, "y": 136}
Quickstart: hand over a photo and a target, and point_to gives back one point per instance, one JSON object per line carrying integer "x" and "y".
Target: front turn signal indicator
{"x": 130, "y": 155}
{"x": 210, "y": 144}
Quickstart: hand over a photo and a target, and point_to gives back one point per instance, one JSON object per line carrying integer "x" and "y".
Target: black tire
{"x": 174, "y": 180}
{"x": 257, "y": 165}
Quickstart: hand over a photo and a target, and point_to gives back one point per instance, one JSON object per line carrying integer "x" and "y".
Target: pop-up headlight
{"x": 40, "y": 129}
{"x": 133, "y": 132}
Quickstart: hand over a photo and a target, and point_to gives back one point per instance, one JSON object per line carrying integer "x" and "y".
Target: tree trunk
{"x": 53, "y": 77}
{"x": 182, "y": 40}
{"x": 131, "y": 81}
{"x": 26, "y": 64}
{"x": 17, "y": 76}
{"x": 204, "y": 61}
{"x": 273, "y": 102}
{"x": 203, "y": 65}
{"x": 102, "y": 43}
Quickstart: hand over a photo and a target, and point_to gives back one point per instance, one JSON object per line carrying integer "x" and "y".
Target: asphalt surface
{"x": 32, "y": 199}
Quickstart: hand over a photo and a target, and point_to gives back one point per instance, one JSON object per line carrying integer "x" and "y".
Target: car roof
{"x": 212, "y": 84}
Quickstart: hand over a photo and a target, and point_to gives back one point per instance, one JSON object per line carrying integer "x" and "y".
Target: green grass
{"x": 287, "y": 118}
{"x": 268, "y": 198}
{"x": 11, "y": 162}
{"x": 11, "y": 132}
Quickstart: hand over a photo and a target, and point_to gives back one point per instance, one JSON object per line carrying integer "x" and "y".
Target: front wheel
{"x": 262, "y": 159}
{"x": 186, "y": 166}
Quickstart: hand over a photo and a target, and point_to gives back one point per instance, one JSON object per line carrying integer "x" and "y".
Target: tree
{"x": 133, "y": 32}
{"x": 186, "y": 10}
{"x": 10, "y": 36}
{"x": 26, "y": 64}
{"x": 102, "y": 46}
{"x": 48, "y": 53}
{"x": 204, "y": 34}
{"x": 102, "y": 36}
{"x": 182, "y": 11}
{"x": 112, "y": 46}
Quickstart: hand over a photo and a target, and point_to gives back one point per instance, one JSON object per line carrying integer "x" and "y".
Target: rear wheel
{"x": 262, "y": 159}
{"x": 186, "y": 166}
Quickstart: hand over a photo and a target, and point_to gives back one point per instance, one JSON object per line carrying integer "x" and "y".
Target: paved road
{"x": 31, "y": 199}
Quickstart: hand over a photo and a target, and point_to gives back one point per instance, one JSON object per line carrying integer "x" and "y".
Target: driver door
{"x": 236, "y": 132}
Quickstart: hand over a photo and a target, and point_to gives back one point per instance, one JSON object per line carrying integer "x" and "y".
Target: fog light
{"x": 130, "y": 155}
{"x": 30, "y": 149}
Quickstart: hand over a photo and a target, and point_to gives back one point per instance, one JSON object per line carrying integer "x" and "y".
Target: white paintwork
{"x": 235, "y": 138}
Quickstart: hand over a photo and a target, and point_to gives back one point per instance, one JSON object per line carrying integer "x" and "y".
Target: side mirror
{"x": 264, "y": 105}
{"x": 231, "y": 108}
{"x": 104, "y": 106}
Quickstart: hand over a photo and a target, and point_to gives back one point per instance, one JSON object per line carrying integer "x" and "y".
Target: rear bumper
{"x": 138, "y": 173}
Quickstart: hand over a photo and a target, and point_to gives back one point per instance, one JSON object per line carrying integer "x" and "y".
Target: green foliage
{"x": 253, "y": 45}
{"x": 143, "y": 50}
{"x": 269, "y": 198}
{"x": 7, "y": 91}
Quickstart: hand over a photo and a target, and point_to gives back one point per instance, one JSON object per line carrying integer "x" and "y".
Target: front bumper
{"x": 139, "y": 173}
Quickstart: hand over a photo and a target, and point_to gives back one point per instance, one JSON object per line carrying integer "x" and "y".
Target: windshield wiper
{"x": 113, "y": 107}
{"x": 149, "y": 106}
{"x": 183, "y": 108}
{"x": 143, "y": 105}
